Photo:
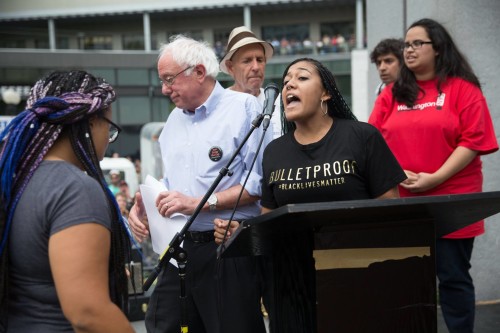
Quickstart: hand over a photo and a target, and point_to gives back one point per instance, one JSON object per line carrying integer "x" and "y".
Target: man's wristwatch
{"x": 212, "y": 202}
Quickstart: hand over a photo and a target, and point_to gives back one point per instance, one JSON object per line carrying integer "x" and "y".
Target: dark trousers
{"x": 222, "y": 295}
{"x": 456, "y": 288}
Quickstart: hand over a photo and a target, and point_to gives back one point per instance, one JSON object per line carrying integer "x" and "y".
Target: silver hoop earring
{"x": 324, "y": 110}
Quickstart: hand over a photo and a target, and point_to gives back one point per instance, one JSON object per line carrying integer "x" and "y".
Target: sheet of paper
{"x": 162, "y": 229}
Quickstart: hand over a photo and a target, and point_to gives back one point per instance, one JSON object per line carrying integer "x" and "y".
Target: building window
{"x": 7, "y": 42}
{"x": 133, "y": 77}
{"x": 288, "y": 39}
{"x": 62, "y": 43}
{"x": 107, "y": 74}
{"x": 41, "y": 43}
{"x": 155, "y": 41}
{"x": 336, "y": 37}
{"x": 133, "y": 42}
{"x": 95, "y": 42}
{"x": 133, "y": 110}
{"x": 220, "y": 41}
{"x": 161, "y": 107}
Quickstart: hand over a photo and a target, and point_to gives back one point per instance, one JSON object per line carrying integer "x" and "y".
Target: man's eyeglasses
{"x": 114, "y": 130}
{"x": 416, "y": 44}
{"x": 169, "y": 80}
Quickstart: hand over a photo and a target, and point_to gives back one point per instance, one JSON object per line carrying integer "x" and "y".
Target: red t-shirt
{"x": 424, "y": 136}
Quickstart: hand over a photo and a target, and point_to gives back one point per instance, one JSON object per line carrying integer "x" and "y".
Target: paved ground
{"x": 487, "y": 319}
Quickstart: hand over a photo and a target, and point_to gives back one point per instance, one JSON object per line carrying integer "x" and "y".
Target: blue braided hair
{"x": 62, "y": 102}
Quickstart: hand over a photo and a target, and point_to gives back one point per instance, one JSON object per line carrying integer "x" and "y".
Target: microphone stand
{"x": 173, "y": 249}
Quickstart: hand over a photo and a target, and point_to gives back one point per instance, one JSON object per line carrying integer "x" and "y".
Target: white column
{"x": 52, "y": 35}
{"x": 147, "y": 32}
{"x": 359, "y": 25}
{"x": 359, "y": 83}
{"x": 247, "y": 17}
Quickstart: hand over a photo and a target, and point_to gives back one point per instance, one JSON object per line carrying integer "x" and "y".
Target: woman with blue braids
{"x": 63, "y": 243}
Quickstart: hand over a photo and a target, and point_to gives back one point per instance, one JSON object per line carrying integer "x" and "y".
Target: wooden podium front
{"x": 355, "y": 266}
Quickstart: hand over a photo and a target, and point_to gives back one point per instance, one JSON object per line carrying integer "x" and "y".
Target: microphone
{"x": 271, "y": 93}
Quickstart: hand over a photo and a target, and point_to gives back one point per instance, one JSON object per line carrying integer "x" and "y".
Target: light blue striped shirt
{"x": 219, "y": 124}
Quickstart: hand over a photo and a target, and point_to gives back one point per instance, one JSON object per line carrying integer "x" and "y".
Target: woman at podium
{"x": 324, "y": 155}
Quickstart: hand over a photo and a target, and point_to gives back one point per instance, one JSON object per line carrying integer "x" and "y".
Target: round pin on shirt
{"x": 215, "y": 153}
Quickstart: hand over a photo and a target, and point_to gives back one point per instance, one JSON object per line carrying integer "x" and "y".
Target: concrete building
{"x": 119, "y": 41}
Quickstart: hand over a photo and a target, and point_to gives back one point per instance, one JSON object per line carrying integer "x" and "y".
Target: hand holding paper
{"x": 162, "y": 229}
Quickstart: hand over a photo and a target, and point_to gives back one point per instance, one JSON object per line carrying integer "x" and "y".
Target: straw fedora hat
{"x": 239, "y": 37}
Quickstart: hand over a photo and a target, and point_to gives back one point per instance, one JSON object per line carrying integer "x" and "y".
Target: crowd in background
{"x": 125, "y": 199}
{"x": 335, "y": 43}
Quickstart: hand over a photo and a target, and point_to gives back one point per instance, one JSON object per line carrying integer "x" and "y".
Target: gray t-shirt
{"x": 57, "y": 197}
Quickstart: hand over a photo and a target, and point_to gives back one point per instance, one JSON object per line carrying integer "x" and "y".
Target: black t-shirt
{"x": 351, "y": 162}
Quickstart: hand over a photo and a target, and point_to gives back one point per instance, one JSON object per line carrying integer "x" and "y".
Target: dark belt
{"x": 200, "y": 236}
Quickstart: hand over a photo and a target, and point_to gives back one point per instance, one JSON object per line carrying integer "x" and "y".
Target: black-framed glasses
{"x": 169, "y": 80}
{"x": 114, "y": 130}
{"x": 416, "y": 44}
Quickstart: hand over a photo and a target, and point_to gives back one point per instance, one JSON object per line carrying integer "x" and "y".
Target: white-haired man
{"x": 198, "y": 139}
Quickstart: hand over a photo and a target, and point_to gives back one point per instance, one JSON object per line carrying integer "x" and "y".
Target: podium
{"x": 355, "y": 266}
